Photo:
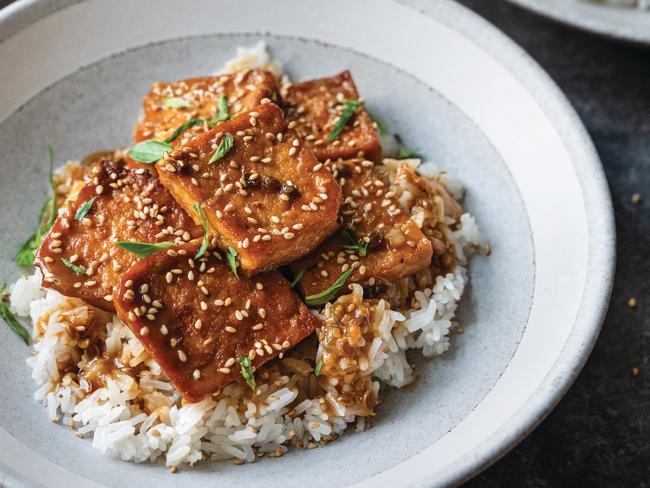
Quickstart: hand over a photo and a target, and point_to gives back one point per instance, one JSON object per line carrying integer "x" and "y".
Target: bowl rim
{"x": 600, "y": 219}
{"x": 602, "y": 238}
{"x": 574, "y": 16}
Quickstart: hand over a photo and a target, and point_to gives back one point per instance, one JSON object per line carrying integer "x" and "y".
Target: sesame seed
{"x": 258, "y": 326}
{"x": 204, "y": 306}
{"x": 198, "y": 324}
{"x": 182, "y": 356}
{"x": 196, "y": 374}
{"x": 144, "y": 331}
{"x": 230, "y": 329}
{"x": 292, "y": 151}
{"x": 230, "y": 362}
{"x": 238, "y": 315}
{"x": 164, "y": 330}
{"x": 259, "y": 286}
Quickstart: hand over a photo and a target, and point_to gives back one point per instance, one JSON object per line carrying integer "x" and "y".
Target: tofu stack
{"x": 257, "y": 182}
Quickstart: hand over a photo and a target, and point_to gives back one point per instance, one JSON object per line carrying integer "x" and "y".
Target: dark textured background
{"x": 599, "y": 435}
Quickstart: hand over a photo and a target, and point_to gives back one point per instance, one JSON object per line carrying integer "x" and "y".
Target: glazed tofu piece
{"x": 129, "y": 205}
{"x": 382, "y": 242}
{"x": 197, "y": 319}
{"x": 261, "y": 190}
{"x": 168, "y": 105}
{"x": 315, "y": 107}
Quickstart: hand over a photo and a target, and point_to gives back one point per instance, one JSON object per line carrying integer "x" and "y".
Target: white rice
{"x": 228, "y": 426}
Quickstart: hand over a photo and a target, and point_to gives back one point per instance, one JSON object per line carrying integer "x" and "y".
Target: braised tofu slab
{"x": 262, "y": 191}
{"x": 316, "y": 107}
{"x": 378, "y": 240}
{"x": 79, "y": 258}
{"x": 200, "y": 322}
{"x": 169, "y": 105}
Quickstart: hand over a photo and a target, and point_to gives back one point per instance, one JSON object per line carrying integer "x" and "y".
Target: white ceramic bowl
{"x": 617, "y": 22}
{"x": 459, "y": 91}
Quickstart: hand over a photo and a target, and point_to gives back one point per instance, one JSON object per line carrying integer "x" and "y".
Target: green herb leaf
{"x": 11, "y": 320}
{"x": 149, "y": 151}
{"x": 77, "y": 269}
{"x": 231, "y": 257}
{"x": 222, "y": 112}
{"x": 327, "y": 295}
{"x": 175, "y": 102}
{"x": 353, "y": 243}
{"x": 143, "y": 249}
{"x": 297, "y": 278}
{"x": 50, "y": 152}
{"x": 350, "y": 107}
{"x": 382, "y": 384}
{"x": 380, "y": 126}
{"x": 84, "y": 209}
{"x": 247, "y": 371}
{"x": 26, "y": 253}
{"x": 318, "y": 367}
{"x": 183, "y": 127}
{"x": 224, "y": 146}
{"x": 204, "y": 244}
{"x": 404, "y": 151}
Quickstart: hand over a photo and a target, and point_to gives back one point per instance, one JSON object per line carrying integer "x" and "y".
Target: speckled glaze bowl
{"x": 617, "y": 22}
{"x": 459, "y": 91}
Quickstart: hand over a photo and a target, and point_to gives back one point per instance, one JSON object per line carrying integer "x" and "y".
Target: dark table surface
{"x": 599, "y": 434}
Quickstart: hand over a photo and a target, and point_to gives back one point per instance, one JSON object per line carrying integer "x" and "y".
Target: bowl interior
{"x": 96, "y": 107}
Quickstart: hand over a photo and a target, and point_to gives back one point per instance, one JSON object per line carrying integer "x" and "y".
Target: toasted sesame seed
{"x": 230, "y": 362}
{"x": 196, "y": 374}
{"x": 182, "y": 356}
{"x": 164, "y": 330}
{"x": 198, "y": 324}
{"x": 292, "y": 151}
{"x": 144, "y": 331}
{"x": 230, "y": 329}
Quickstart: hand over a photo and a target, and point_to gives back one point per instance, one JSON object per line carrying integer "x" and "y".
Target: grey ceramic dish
{"x": 621, "y": 23}
{"x": 463, "y": 94}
